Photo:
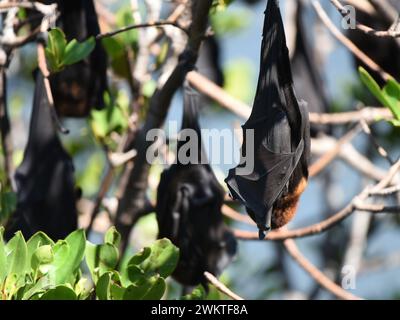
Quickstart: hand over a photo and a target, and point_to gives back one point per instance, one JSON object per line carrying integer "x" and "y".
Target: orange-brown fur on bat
{"x": 286, "y": 206}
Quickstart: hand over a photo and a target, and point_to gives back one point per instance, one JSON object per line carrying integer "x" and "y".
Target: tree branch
{"x": 322, "y": 226}
{"x": 315, "y": 273}
{"x": 134, "y": 191}
{"x": 221, "y": 287}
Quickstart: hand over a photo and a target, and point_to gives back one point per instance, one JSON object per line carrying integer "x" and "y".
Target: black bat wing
{"x": 278, "y": 125}
{"x": 45, "y": 179}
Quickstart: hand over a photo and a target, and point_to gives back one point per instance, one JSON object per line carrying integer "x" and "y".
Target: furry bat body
{"x": 189, "y": 200}
{"x": 281, "y": 137}
{"x": 45, "y": 179}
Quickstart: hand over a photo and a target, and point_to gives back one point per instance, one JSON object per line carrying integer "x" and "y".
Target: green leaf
{"x": 124, "y": 18}
{"x": 392, "y": 92}
{"x": 137, "y": 291}
{"x": 157, "y": 290}
{"x": 198, "y": 293}
{"x": 103, "y": 287}
{"x": 68, "y": 255}
{"x": 162, "y": 260}
{"x": 219, "y": 5}
{"x": 40, "y": 286}
{"x": 101, "y": 258}
{"x": 11, "y": 285}
{"x": 37, "y": 240}
{"x": 117, "y": 292}
{"x": 61, "y": 292}
{"x": 111, "y": 118}
{"x": 55, "y": 49}
{"x": 83, "y": 289}
{"x": 42, "y": 256}
{"x": 117, "y": 55}
{"x": 17, "y": 255}
{"x": 8, "y": 204}
{"x": 230, "y": 21}
{"x": 389, "y": 96}
{"x": 131, "y": 275}
{"x": 3, "y": 258}
{"x": 113, "y": 237}
{"x": 76, "y": 51}
{"x": 141, "y": 256}
{"x": 147, "y": 289}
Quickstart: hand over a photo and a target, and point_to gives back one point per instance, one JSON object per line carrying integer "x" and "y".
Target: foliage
{"x": 389, "y": 95}
{"x": 229, "y": 21}
{"x": 60, "y": 53}
{"x": 117, "y": 47}
{"x": 8, "y": 203}
{"x": 113, "y": 118}
{"x": 219, "y": 5}
{"x": 39, "y": 269}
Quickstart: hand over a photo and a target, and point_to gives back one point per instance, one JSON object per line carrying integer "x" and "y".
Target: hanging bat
{"x": 307, "y": 78}
{"x": 45, "y": 179}
{"x": 208, "y": 63}
{"x": 271, "y": 188}
{"x": 79, "y": 87}
{"x": 384, "y": 51}
{"x": 189, "y": 200}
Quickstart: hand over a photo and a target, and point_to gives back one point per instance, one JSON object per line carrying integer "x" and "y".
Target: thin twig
{"x": 328, "y": 157}
{"x": 386, "y": 192}
{"x": 377, "y": 208}
{"x": 368, "y": 114}
{"x": 141, "y": 25}
{"x": 316, "y": 274}
{"x": 243, "y": 110}
{"x": 44, "y": 70}
{"x": 349, "y": 154}
{"x": 377, "y": 146}
{"x": 324, "y": 225}
{"x": 221, "y": 287}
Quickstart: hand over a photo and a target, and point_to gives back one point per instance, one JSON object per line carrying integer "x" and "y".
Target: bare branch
{"x": 322, "y": 226}
{"x": 316, "y": 274}
{"x": 221, "y": 287}
{"x": 141, "y": 25}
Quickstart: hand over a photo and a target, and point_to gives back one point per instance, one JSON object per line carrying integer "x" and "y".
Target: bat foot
{"x": 262, "y": 232}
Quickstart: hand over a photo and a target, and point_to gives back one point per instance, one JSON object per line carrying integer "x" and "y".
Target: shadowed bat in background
{"x": 281, "y": 149}
{"x": 81, "y": 86}
{"x": 45, "y": 179}
{"x": 307, "y": 78}
{"x": 384, "y": 51}
{"x": 189, "y": 200}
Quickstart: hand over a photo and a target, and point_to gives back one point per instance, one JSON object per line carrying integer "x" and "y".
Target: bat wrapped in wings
{"x": 306, "y": 75}
{"x": 189, "y": 200}
{"x": 273, "y": 170}
{"x": 81, "y": 86}
{"x": 45, "y": 179}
